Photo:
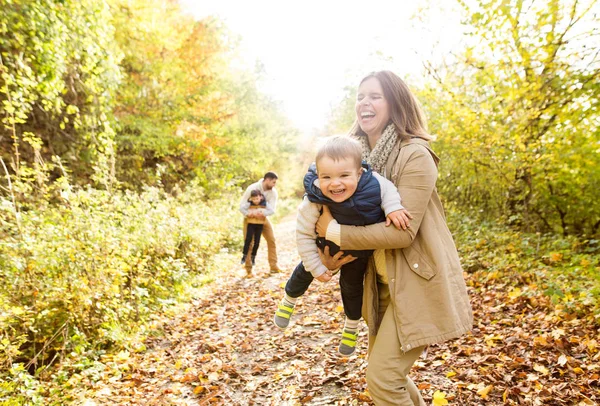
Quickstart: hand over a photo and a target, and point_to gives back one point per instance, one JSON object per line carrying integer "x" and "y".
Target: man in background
{"x": 267, "y": 186}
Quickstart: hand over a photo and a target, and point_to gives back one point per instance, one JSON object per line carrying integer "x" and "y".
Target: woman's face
{"x": 372, "y": 109}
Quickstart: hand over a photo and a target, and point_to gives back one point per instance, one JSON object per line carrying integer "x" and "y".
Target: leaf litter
{"x": 225, "y": 350}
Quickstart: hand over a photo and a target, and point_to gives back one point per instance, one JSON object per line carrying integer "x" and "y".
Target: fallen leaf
{"x": 485, "y": 391}
{"x": 439, "y": 399}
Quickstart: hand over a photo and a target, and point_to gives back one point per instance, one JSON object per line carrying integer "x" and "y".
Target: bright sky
{"x": 312, "y": 49}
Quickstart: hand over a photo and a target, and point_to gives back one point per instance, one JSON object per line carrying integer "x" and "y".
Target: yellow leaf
{"x": 485, "y": 391}
{"x": 514, "y": 293}
{"x": 489, "y": 339}
{"x": 122, "y": 356}
{"x": 450, "y": 374}
{"x": 199, "y": 389}
{"x": 541, "y": 369}
{"x": 339, "y": 309}
{"x": 556, "y": 257}
{"x": 578, "y": 371}
{"x": 439, "y": 399}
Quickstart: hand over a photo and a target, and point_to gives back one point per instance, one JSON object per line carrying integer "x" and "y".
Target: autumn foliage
{"x": 128, "y": 131}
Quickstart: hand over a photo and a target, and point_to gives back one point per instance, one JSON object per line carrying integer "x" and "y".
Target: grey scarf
{"x": 378, "y": 157}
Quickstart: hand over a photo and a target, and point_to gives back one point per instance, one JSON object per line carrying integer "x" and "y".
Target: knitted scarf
{"x": 378, "y": 157}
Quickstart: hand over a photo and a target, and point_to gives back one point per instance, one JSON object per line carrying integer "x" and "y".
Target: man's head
{"x": 339, "y": 167}
{"x": 269, "y": 180}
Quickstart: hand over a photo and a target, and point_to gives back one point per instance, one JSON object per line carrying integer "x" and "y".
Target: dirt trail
{"x": 224, "y": 350}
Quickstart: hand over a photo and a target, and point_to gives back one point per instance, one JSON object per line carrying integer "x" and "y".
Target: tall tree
{"x": 521, "y": 102}
{"x": 58, "y": 73}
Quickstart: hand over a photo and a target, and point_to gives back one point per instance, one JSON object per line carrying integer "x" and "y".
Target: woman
{"x": 415, "y": 294}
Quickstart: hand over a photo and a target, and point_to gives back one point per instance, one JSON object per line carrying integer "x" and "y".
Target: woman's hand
{"x": 326, "y": 277}
{"x": 336, "y": 261}
{"x": 323, "y": 222}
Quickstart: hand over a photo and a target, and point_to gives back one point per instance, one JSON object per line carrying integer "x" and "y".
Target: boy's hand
{"x": 400, "y": 218}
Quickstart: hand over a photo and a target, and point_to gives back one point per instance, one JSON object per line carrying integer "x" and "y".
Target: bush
{"x": 79, "y": 275}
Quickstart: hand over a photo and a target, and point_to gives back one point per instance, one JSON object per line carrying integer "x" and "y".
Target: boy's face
{"x": 255, "y": 200}
{"x": 338, "y": 179}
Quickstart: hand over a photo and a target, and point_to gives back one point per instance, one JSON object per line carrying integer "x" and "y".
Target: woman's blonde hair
{"x": 339, "y": 147}
{"x": 405, "y": 111}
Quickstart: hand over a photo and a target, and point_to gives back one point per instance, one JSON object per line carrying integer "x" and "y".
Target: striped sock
{"x": 284, "y": 311}
{"x": 351, "y": 325}
{"x": 289, "y": 301}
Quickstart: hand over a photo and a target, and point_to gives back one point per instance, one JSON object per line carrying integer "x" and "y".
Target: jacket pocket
{"x": 417, "y": 263}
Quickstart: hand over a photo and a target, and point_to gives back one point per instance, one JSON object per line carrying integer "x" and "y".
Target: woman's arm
{"x": 416, "y": 182}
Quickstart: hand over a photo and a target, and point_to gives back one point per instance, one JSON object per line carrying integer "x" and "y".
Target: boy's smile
{"x": 338, "y": 179}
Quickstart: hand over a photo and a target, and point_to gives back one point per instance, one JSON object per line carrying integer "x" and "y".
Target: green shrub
{"x": 80, "y": 275}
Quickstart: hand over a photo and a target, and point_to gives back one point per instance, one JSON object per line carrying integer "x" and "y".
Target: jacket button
{"x": 415, "y": 266}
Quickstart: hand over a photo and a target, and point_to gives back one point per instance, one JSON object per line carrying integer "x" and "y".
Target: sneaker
{"x": 282, "y": 316}
{"x": 243, "y": 261}
{"x": 348, "y": 343}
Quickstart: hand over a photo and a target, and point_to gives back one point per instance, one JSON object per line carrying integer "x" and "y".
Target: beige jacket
{"x": 428, "y": 291}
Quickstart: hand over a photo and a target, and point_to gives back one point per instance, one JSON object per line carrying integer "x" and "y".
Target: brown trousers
{"x": 387, "y": 372}
{"x": 269, "y": 237}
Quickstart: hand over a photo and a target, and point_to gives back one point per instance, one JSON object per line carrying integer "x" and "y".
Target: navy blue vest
{"x": 361, "y": 209}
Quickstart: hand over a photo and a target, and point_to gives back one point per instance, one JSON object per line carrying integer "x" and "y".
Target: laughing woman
{"x": 414, "y": 293}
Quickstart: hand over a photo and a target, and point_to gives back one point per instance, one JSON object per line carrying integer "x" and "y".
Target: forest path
{"x": 225, "y": 350}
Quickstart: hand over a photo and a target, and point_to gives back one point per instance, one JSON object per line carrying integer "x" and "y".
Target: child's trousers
{"x": 352, "y": 277}
{"x": 253, "y": 231}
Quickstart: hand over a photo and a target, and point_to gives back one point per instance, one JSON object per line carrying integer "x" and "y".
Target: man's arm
{"x": 245, "y": 197}
{"x": 271, "y": 203}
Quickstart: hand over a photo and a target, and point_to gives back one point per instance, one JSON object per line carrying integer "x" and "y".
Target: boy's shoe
{"x": 348, "y": 343}
{"x": 243, "y": 261}
{"x": 282, "y": 315}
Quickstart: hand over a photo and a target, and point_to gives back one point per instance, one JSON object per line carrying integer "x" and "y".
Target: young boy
{"x": 355, "y": 195}
{"x": 255, "y": 204}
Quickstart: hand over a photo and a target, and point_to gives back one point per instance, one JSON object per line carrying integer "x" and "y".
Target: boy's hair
{"x": 270, "y": 175}
{"x": 339, "y": 147}
{"x": 255, "y": 193}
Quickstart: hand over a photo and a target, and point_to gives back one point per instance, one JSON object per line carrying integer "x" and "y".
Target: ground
{"x": 223, "y": 349}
